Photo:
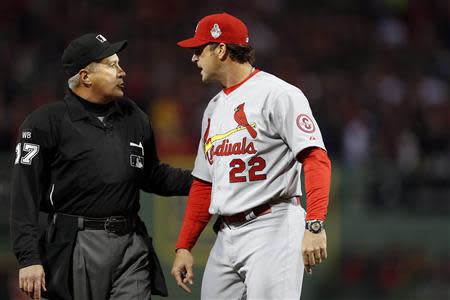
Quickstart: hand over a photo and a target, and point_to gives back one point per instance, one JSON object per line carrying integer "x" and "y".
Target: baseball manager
{"x": 258, "y": 133}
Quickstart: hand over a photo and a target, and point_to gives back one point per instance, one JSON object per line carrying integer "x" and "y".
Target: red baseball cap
{"x": 218, "y": 28}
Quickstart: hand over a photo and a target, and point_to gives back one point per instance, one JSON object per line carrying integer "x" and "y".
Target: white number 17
{"x": 31, "y": 149}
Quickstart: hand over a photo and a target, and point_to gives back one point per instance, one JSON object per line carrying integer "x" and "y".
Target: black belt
{"x": 115, "y": 224}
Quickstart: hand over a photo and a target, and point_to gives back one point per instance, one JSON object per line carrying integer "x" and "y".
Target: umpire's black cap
{"x": 86, "y": 49}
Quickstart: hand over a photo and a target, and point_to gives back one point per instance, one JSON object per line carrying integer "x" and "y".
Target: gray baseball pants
{"x": 110, "y": 266}
{"x": 259, "y": 259}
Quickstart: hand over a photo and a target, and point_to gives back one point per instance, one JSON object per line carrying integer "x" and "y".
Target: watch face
{"x": 316, "y": 226}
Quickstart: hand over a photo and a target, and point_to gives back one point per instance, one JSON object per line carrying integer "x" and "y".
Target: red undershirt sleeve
{"x": 317, "y": 173}
{"x": 196, "y": 215}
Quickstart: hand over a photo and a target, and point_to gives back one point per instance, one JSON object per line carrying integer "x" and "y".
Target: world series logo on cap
{"x": 215, "y": 31}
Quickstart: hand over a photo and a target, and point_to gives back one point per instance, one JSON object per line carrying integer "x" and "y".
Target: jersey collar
{"x": 230, "y": 89}
{"x": 78, "y": 112}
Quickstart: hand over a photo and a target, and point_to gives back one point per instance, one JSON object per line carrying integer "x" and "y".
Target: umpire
{"x": 83, "y": 160}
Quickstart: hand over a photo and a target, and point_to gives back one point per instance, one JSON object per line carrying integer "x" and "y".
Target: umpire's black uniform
{"x": 83, "y": 164}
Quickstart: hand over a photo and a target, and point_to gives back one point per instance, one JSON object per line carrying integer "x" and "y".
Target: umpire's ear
{"x": 85, "y": 77}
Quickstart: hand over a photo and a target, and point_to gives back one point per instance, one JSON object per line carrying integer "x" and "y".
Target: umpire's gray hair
{"x": 74, "y": 81}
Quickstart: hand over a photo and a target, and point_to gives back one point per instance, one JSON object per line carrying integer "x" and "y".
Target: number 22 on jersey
{"x": 239, "y": 168}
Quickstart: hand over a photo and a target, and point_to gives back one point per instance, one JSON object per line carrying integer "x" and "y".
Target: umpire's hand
{"x": 182, "y": 269}
{"x": 314, "y": 249}
{"x": 32, "y": 280}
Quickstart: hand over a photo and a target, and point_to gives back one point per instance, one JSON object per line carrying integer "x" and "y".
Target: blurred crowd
{"x": 376, "y": 73}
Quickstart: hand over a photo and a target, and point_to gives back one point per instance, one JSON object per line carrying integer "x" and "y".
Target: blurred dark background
{"x": 376, "y": 73}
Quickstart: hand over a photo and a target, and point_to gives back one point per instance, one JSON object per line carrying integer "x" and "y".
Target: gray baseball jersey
{"x": 250, "y": 138}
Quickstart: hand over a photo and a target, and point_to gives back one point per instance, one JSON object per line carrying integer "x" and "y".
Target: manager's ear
{"x": 222, "y": 51}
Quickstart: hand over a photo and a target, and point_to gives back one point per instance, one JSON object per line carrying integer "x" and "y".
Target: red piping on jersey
{"x": 196, "y": 215}
{"x": 230, "y": 89}
{"x": 317, "y": 173}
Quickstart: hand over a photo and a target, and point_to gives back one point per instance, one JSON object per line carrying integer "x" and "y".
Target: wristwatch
{"x": 315, "y": 226}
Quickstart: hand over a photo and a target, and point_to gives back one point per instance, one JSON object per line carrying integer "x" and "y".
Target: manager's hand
{"x": 32, "y": 280}
{"x": 314, "y": 249}
{"x": 182, "y": 269}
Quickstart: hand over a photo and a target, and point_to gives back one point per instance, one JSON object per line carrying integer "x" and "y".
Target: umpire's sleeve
{"x": 27, "y": 187}
{"x": 160, "y": 178}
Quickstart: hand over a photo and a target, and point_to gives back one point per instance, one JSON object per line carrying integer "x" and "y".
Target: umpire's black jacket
{"x": 68, "y": 161}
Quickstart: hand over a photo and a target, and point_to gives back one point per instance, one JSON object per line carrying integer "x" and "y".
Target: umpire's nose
{"x": 194, "y": 58}
{"x": 120, "y": 72}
